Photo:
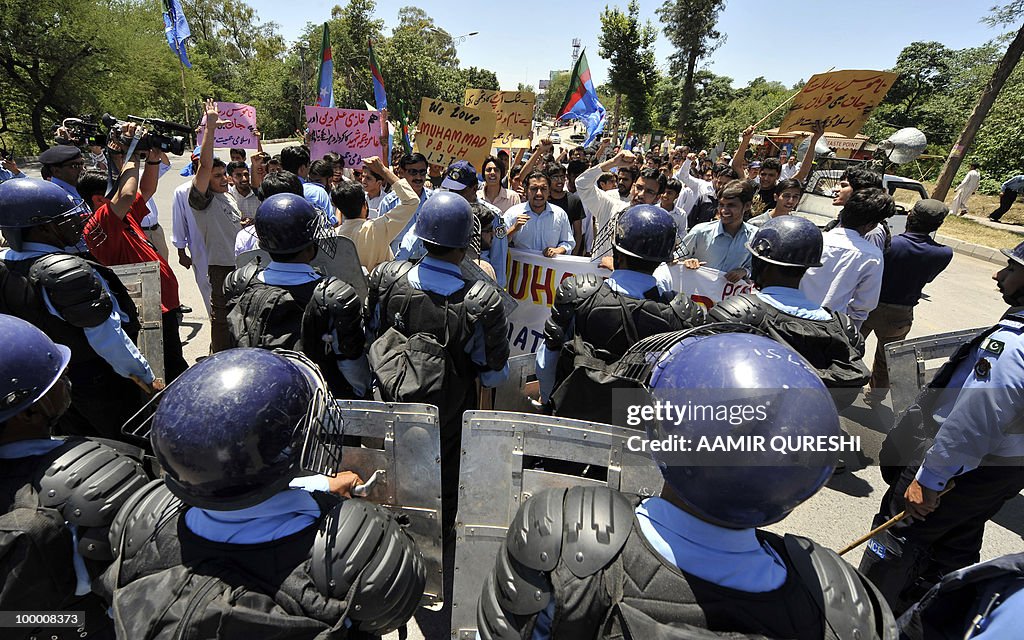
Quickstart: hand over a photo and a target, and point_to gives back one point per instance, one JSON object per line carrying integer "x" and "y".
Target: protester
{"x": 705, "y": 204}
{"x": 277, "y": 182}
{"x": 114, "y": 236}
{"x": 721, "y": 244}
{"x": 219, "y": 220}
{"x": 241, "y": 190}
{"x": 787, "y": 197}
{"x": 489, "y": 244}
{"x": 850, "y": 277}
{"x": 187, "y": 237}
{"x": 790, "y": 168}
{"x": 373, "y": 237}
{"x": 295, "y": 158}
{"x": 412, "y": 167}
{"x": 566, "y": 201}
{"x": 851, "y": 181}
{"x": 1008, "y": 194}
{"x": 374, "y": 187}
{"x": 537, "y": 225}
{"x": 912, "y": 261}
{"x": 966, "y": 189}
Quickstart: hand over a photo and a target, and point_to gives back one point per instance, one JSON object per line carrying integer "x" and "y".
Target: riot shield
{"x": 344, "y": 265}
{"x": 912, "y": 363}
{"x": 506, "y": 458}
{"x": 143, "y": 284}
{"x": 401, "y": 444}
{"x": 519, "y": 391}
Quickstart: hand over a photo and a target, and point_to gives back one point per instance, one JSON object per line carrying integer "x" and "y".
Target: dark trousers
{"x": 220, "y": 337}
{"x": 101, "y": 402}
{"x": 890, "y": 323}
{"x": 174, "y": 360}
{"x": 1006, "y": 200}
{"x": 946, "y": 540}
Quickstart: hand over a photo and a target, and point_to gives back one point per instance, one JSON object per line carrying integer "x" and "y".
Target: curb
{"x": 988, "y": 254}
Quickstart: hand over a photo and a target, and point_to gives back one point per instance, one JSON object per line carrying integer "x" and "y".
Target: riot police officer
{"x": 961, "y": 437}
{"x": 224, "y": 547}
{"x": 288, "y": 305}
{"x": 76, "y": 302}
{"x": 594, "y": 321}
{"x": 57, "y": 496}
{"x": 590, "y": 562}
{"x": 783, "y": 249}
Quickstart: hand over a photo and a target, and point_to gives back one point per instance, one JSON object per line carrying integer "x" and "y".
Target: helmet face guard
{"x": 322, "y": 233}
{"x": 322, "y": 428}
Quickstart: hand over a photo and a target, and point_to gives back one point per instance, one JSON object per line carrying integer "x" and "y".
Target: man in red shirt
{"x": 114, "y": 235}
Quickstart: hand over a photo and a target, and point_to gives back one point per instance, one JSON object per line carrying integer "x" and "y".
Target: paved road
{"x": 962, "y": 297}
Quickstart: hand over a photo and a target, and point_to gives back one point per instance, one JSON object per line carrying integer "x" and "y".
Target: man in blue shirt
{"x": 296, "y": 159}
{"x": 912, "y": 260}
{"x": 538, "y": 225}
{"x": 963, "y": 439}
{"x": 412, "y": 167}
{"x": 76, "y": 302}
{"x": 1011, "y": 189}
{"x": 722, "y": 244}
{"x": 9, "y": 168}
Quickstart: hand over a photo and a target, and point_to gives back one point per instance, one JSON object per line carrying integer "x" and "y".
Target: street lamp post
{"x": 461, "y": 39}
{"x": 302, "y": 83}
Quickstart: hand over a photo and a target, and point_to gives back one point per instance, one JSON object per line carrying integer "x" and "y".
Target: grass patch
{"x": 977, "y": 233}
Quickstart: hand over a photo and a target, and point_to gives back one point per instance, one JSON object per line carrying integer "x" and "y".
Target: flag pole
{"x": 184, "y": 91}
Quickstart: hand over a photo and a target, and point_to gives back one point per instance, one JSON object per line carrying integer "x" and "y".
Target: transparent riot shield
{"x": 143, "y": 284}
{"x": 344, "y": 264}
{"x": 400, "y": 443}
{"x": 912, "y": 363}
{"x": 506, "y": 458}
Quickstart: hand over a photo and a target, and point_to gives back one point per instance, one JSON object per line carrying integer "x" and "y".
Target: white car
{"x": 555, "y": 138}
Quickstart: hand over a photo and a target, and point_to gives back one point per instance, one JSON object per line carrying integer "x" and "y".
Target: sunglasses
{"x": 415, "y": 172}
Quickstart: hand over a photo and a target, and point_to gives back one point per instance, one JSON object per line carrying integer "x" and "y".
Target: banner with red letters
{"x": 353, "y": 134}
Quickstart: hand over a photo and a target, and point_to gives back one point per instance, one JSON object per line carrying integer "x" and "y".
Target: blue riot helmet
{"x": 646, "y": 232}
{"x": 30, "y": 366}
{"x": 741, "y": 389}
{"x": 234, "y": 429}
{"x": 287, "y": 223}
{"x": 788, "y": 241}
{"x": 27, "y": 203}
{"x": 445, "y": 219}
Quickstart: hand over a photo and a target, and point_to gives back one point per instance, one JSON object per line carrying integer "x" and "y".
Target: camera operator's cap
{"x": 195, "y": 152}
{"x": 460, "y": 175}
{"x": 59, "y": 155}
{"x": 1016, "y": 254}
{"x": 929, "y": 209}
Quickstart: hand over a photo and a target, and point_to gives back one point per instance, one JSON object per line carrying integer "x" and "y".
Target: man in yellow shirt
{"x": 373, "y": 237}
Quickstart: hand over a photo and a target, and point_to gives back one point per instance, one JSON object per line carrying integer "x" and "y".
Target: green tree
{"x": 748, "y": 105}
{"x": 476, "y": 78}
{"x": 690, "y": 26}
{"x": 628, "y": 45}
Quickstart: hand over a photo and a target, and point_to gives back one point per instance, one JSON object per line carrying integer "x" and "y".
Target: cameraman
{"x": 115, "y": 236}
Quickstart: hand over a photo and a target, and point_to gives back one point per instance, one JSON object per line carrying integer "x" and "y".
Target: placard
{"x": 842, "y": 100}
{"x": 353, "y": 134}
{"x": 448, "y": 132}
{"x": 514, "y": 113}
{"x": 239, "y": 133}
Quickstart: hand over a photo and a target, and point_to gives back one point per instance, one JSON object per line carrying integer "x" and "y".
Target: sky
{"x": 784, "y": 40}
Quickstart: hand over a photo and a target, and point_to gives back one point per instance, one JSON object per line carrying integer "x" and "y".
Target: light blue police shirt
{"x": 445, "y": 278}
{"x": 794, "y": 302}
{"x": 625, "y": 281}
{"x": 286, "y": 274}
{"x": 108, "y": 339}
{"x": 981, "y": 411}
{"x": 70, "y": 188}
{"x": 317, "y": 196}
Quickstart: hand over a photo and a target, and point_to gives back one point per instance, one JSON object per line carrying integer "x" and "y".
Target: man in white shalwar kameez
{"x": 966, "y": 189}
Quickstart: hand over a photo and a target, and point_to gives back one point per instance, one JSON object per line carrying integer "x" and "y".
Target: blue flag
{"x": 325, "y": 94}
{"x": 177, "y": 30}
{"x": 581, "y": 101}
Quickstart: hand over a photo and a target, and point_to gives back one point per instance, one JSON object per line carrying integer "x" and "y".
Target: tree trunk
{"x": 686, "y": 107}
{"x": 985, "y": 102}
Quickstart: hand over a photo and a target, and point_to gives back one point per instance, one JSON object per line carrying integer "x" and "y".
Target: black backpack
{"x": 261, "y": 307}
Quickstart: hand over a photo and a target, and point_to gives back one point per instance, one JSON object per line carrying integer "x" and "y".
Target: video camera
{"x": 160, "y": 133}
{"x": 82, "y": 131}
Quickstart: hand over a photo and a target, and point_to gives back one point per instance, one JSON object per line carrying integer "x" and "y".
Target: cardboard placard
{"x": 239, "y": 133}
{"x": 514, "y": 113}
{"x": 448, "y": 132}
{"x": 353, "y": 134}
{"x": 843, "y": 100}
